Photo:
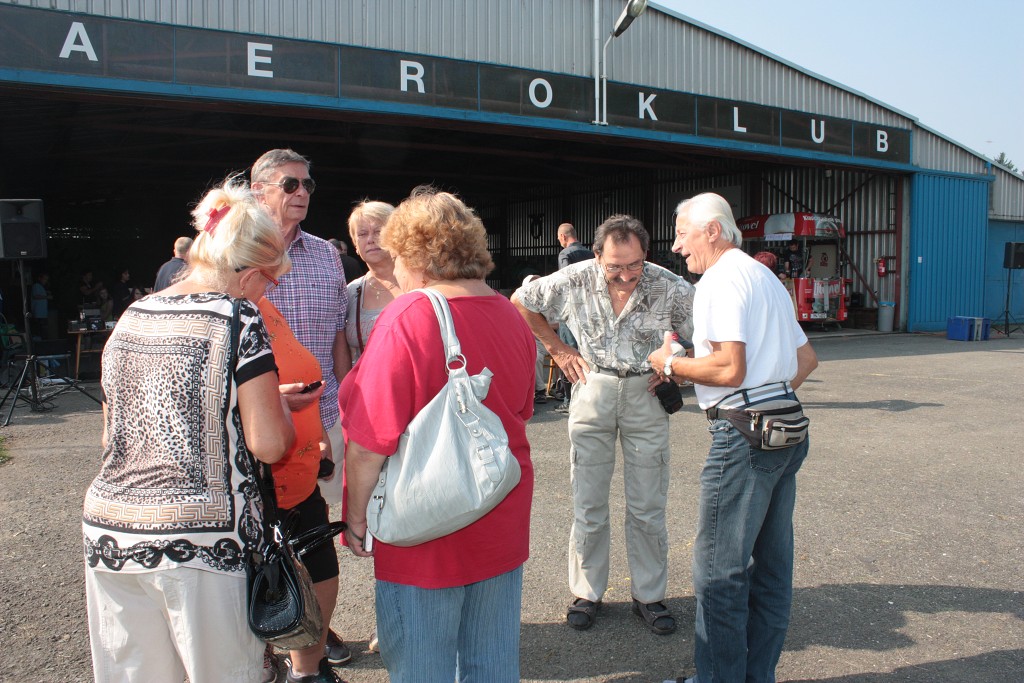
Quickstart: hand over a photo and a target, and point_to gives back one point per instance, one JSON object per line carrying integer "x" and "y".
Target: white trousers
{"x": 603, "y": 409}
{"x": 156, "y": 627}
{"x": 332, "y": 490}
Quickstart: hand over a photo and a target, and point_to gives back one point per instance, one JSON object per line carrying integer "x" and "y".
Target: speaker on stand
{"x": 22, "y": 237}
{"x": 1013, "y": 259}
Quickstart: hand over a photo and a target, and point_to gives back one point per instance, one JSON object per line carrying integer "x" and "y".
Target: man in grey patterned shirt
{"x": 618, "y": 307}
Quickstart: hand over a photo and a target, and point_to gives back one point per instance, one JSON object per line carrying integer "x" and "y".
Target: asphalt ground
{"x": 909, "y": 538}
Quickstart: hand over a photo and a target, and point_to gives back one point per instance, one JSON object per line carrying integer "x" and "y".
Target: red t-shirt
{"x": 401, "y": 370}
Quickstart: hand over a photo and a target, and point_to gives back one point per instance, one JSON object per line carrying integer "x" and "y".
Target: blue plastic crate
{"x": 964, "y": 328}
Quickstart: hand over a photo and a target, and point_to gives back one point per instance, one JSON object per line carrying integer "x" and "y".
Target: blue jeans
{"x": 468, "y": 633}
{"x": 743, "y": 557}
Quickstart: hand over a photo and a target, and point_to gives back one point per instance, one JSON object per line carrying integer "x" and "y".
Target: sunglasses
{"x": 290, "y": 185}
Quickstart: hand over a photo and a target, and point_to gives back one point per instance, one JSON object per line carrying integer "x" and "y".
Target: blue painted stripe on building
{"x": 948, "y": 241}
{"x": 264, "y": 97}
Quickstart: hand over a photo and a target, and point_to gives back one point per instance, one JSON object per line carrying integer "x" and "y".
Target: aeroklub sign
{"x": 95, "y": 50}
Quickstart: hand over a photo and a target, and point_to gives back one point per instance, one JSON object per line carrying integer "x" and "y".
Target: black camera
{"x": 326, "y": 468}
{"x": 670, "y": 396}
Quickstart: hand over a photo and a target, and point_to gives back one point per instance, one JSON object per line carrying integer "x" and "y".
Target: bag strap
{"x": 452, "y": 348}
{"x": 359, "y": 326}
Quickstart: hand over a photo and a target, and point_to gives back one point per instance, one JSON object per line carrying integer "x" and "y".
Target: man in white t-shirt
{"x": 748, "y": 348}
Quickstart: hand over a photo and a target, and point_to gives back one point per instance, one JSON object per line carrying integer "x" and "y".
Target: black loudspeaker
{"x": 22, "y": 229}
{"x": 1013, "y": 257}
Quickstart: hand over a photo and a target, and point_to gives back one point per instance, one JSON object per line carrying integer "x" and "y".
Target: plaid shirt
{"x": 313, "y": 298}
{"x": 577, "y": 296}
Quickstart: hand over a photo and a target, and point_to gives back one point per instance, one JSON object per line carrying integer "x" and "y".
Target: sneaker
{"x": 539, "y": 397}
{"x": 336, "y": 652}
{"x": 270, "y": 666}
{"x": 562, "y": 408}
{"x": 325, "y": 674}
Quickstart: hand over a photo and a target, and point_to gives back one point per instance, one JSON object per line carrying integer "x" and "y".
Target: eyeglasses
{"x": 290, "y": 184}
{"x": 271, "y": 281}
{"x": 615, "y": 269}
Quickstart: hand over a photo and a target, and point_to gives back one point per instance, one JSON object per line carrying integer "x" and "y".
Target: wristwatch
{"x": 668, "y": 365}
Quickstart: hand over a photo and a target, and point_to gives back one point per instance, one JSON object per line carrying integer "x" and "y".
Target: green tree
{"x": 1005, "y": 161}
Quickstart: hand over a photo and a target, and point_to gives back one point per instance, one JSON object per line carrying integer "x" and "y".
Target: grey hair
{"x": 707, "y": 207}
{"x": 619, "y": 227}
{"x": 274, "y": 159}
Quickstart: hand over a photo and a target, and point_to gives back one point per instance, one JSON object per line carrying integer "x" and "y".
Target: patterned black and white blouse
{"x": 175, "y": 487}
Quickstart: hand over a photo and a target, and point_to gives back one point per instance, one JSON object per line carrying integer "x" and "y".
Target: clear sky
{"x": 957, "y": 66}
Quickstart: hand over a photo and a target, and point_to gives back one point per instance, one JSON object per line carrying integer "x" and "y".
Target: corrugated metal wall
{"x": 866, "y": 203}
{"x": 948, "y": 240}
{"x": 1007, "y": 197}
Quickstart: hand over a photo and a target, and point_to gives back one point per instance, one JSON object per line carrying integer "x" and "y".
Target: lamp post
{"x": 632, "y": 10}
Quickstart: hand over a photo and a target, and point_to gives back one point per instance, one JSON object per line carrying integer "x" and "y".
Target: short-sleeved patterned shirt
{"x": 313, "y": 298}
{"x": 577, "y": 296}
{"x": 176, "y": 487}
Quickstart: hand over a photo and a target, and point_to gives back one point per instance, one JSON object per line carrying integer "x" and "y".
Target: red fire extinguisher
{"x": 881, "y": 267}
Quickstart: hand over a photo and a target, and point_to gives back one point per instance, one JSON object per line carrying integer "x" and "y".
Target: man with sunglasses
{"x": 313, "y": 299}
{"x": 618, "y": 307}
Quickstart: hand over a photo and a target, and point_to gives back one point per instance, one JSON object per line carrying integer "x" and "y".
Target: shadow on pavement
{"x": 861, "y": 619}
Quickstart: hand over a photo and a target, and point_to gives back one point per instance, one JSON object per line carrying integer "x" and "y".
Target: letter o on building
{"x": 540, "y": 82}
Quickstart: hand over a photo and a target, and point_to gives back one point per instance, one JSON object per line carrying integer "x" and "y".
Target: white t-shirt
{"x": 740, "y": 300}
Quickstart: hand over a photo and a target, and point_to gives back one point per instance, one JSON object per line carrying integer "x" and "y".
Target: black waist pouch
{"x": 771, "y": 425}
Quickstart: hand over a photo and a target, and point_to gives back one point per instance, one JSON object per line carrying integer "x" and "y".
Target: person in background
{"x": 448, "y": 609}
{"x": 353, "y": 268}
{"x": 106, "y": 307}
{"x": 748, "y": 349}
{"x": 168, "y": 272}
{"x": 369, "y": 294}
{"x": 617, "y": 306}
{"x": 124, "y": 293}
{"x": 314, "y": 301}
{"x": 88, "y": 289}
{"x": 572, "y": 252}
{"x": 41, "y": 298}
{"x": 295, "y": 484}
{"x": 169, "y": 521}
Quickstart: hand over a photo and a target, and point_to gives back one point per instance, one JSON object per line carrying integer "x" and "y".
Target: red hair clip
{"x": 215, "y": 217}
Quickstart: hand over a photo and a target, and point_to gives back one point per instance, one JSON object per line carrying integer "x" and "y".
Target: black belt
{"x": 621, "y": 374}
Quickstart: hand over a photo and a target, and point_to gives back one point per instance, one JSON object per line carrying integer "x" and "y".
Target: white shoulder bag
{"x": 453, "y": 464}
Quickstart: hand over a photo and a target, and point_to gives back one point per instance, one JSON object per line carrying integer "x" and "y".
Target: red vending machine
{"x": 807, "y": 250}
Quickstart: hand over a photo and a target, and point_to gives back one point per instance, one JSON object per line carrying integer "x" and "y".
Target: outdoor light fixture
{"x": 632, "y": 10}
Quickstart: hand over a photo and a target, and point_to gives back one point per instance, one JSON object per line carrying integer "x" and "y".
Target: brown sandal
{"x": 656, "y": 616}
{"x": 582, "y": 613}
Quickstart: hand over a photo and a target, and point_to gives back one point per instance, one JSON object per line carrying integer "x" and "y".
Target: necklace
{"x": 382, "y": 288}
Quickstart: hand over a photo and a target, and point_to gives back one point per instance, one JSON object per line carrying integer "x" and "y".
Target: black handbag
{"x": 282, "y": 608}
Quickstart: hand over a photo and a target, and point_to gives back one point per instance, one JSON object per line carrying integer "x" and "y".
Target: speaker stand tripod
{"x": 1006, "y": 311}
{"x": 28, "y": 391}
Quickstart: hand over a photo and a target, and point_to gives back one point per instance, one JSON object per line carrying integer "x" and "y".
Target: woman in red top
{"x": 295, "y": 485}
{"x": 448, "y": 608}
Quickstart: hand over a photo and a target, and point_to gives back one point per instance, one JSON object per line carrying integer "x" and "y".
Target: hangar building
{"x": 119, "y": 114}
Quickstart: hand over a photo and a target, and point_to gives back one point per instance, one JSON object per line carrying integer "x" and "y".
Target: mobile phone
{"x": 368, "y": 542}
{"x": 312, "y": 386}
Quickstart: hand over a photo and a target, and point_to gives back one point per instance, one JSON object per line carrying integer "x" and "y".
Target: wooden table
{"x": 78, "y": 336}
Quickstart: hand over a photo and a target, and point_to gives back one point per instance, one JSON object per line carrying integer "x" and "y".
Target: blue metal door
{"x": 948, "y": 242}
